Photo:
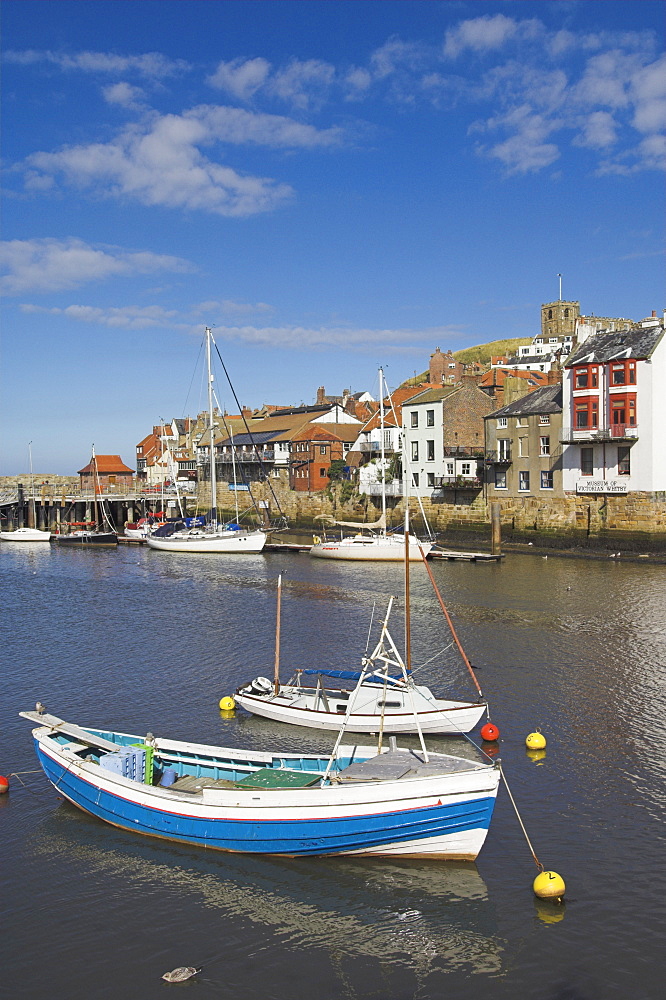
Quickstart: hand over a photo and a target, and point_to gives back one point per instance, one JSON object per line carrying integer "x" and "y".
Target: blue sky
{"x": 332, "y": 186}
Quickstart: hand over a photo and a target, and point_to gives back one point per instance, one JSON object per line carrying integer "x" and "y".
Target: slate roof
{"x": 547, "y": 399}
{"x": 639, "y": 343}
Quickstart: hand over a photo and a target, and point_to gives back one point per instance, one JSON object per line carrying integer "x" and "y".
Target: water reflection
{"x": 400, "y": 912}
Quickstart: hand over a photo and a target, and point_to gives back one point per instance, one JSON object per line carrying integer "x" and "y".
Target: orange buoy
{"x": 489, "y": 732}
{"x": 4, "y": 784}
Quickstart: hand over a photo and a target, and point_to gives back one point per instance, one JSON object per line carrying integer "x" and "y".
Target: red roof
{"x": 106, "y": 465}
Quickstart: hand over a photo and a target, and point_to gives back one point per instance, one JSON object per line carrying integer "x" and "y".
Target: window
{"x": 623, "y": 461}
{"x": 500, "y": 479}
{"x": 544, "y": 419}
{"x": 623, "y": 373}
{"x": 112, "y": 480}
{"x": 415, "y": 479}
{"x": 430, "y": 418}
{"x": 322, "y": 472}
{"x": 414, "y": 418}
{"x": 322, "y": 449}
{"x": 431, "y": 479}
{"x": 566, "y": 314}
{"x": 430, "y": 451}
{"x": 587, "y": 461}
{"x": 450, "y": 469}
{"x": 504, "y": 449}
{"x": 523, "y": 447}
{"x": 546, "y": 480}
{"x": 502, "y": 421}
{"x": 586, "y": 377}
{"x": 544, "y": 446}
{"x": 415, "y": 451}
{"x": 586, "y": 412}
{"x": 550, "y": 314}
{"x": 523, "y": 481}
{"x": 623, "y": 411}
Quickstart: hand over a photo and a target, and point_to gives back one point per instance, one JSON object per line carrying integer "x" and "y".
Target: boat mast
{"x": 276, "y": 678}
{"x": 213, "y": 471}
{"x": 95, "y": 487}
{"x": 381, "y": 447}
{"x": 33, "y": 505}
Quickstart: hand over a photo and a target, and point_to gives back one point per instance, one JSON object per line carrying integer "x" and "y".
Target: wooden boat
{"x": 85, "y": 533}
{"x": 356, "y": 801}
{"x": 378, "y": 702}
{"x": 212, "y": 537}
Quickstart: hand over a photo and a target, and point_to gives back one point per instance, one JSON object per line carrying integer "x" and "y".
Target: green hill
{"x": 481, "y": 353}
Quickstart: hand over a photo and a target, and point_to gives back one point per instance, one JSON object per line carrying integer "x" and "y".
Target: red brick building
{"x": 311, "y": 452}
{"x": 105, "y": 472}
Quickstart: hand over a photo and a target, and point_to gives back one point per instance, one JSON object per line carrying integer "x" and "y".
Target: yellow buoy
{"x": 227, "y": 704}
{"x": 535, "y": 741}
{"x": 549, "y": 885}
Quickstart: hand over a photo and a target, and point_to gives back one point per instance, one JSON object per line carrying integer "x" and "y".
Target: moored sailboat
{"x": 98, "y": 532}
{"x": 211, "y": 537}
{"x": 372, "y": 541}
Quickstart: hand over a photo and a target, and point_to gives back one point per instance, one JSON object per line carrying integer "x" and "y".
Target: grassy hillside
{"x": 481, "y": 353}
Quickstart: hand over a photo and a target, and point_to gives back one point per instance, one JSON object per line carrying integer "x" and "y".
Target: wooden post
{"x": 276, "y": 680}
{"x": 496, "y": 528}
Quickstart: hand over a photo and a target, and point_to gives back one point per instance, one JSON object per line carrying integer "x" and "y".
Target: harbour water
{"x": 138, "y": 640}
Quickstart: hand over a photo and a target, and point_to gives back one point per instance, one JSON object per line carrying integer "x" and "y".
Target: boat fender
{"x": 261, "y": 685}
{"x": 316, "y": 540}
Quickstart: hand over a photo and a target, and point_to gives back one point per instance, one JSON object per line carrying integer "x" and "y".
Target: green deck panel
{"x": 274, "y": 777}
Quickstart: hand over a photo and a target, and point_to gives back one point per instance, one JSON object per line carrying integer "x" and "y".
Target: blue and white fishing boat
{"x": 355, "y": 800}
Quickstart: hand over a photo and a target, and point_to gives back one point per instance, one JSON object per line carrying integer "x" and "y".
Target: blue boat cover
{"x": 351, "y": 675}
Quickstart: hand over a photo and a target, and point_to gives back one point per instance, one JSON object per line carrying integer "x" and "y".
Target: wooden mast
{"x": 276, "y": 675}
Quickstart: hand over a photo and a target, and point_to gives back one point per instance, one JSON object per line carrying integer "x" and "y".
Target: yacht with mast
{"x": 28, "y": 534}
{"x": 373, "y": 541}
{"x": 212, "y": 537}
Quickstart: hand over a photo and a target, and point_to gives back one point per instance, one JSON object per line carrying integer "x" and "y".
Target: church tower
{"x": 558, "y": 319}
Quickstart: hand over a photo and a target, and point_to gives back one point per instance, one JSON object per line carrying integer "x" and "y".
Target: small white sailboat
{"x": 212, "y": 537}
{"x": 28, "y": 534}
{"x": 372, "y": 541}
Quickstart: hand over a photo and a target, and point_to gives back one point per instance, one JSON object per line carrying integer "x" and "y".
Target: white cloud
{"x": 598, "y": 131}
{"x": 648, "y": 93}
{"x": 230, "y": 307}
{"x": 124, "y": 95}
{"x": 126, "y": 317}
{"x": 50, "y": 265}
{"x": 484, "y": 34}
{"x": 159, "y": 162}
{"x": 241, "y": 78}
{"x": 348, "y": 337}
{"x": 303, "y": 85}
{"x": 151, "y": 64}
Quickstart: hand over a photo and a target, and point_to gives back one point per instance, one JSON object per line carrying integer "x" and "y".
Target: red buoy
{"x": 489, "y": 732}
{"x": 4, "y": 784}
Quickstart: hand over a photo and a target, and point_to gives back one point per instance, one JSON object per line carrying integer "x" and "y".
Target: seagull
{"x": 39, "y": 708}
{"x": 181, "y": 974}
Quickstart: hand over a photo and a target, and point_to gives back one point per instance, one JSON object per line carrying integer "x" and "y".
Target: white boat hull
{"x": 300, "y": 707}
{"x": 201, "y": 541}
{"x": 25, "y": 535}
{"x": 371, "y": 548}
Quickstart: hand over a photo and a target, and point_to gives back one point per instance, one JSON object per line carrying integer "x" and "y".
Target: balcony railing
{"x": 458, "y": 483}
{"x": 462, "y": 451}
{"x": 498, "y": 458}
{"x": 616, "y": 432}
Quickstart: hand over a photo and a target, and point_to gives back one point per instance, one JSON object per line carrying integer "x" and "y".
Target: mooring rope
{"x": 522, "y": 825}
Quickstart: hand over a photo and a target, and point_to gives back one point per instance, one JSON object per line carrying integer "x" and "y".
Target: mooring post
{"x": 495, "y": 528}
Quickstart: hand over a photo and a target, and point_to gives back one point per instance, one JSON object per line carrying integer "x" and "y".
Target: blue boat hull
{"x": 386, "y": 831}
